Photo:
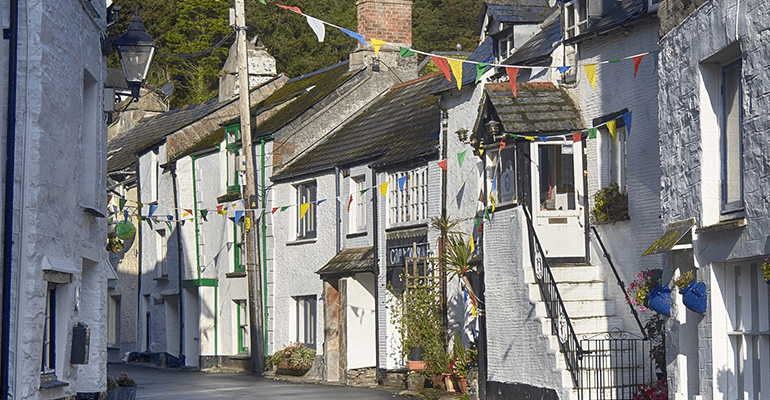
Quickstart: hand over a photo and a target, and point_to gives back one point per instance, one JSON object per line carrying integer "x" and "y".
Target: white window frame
{"x": 161, "y": 251}
{"x": 306, "y": 192}
{"x": 48, "y": 354}
{"x": 731, "y": 141}
{"x": 613, "y": 161}
{"x": 501, "y": 168}
{"x": 576, "y": 20}
{"x": 410, "y": 204}
{"x": 357, "y": 216}
{"x": 306, "y": 320}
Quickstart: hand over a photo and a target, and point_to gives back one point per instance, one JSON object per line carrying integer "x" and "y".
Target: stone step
{"x": 570, "y": 273}
{"x": 583, "y": 308}
{"x": 573, "y": 291}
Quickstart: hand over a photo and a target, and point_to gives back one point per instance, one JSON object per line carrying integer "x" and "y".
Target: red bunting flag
{"x": 512, "y": 72}
{"x": 637, "y": 61}
{"x": 442, "y": 164}
{"x": 295, "y": 9}
{"x": 350, "y": 201}
{"x": 274, "y": 210}
{"x": 502, "y": 145}
{"x": 576, "y": 137}
{"x": 442, "y": 65}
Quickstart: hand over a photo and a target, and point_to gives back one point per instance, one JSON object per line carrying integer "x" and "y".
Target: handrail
{"x": 561, "y": 325}
{"x": 620, "y": 281}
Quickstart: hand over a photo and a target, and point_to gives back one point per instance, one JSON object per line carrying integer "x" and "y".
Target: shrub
{"x": 124, "y": 381}
{"x": 610, "y": 205}
{"x": 638, "y": 289}
{"x": 683, "y": 280}
{"x": 655, "y": 390}
{"x": 299, "y": 356}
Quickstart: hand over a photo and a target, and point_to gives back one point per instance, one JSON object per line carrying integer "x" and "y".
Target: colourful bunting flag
{"x": 317, "y": 26}
{"x": 238, "y": 216}
{"x": 476, "y": 221}
{"x": 262, "y": 1}
{"x": 153, "y": 208}
{"x": 480, "y": 68}
{"x": 274, "y": 210}
{"x": 404, "y": 52}
{"x": 576, "y": 137}
{"x": 512, "y": 73}
{"x": 303, "y": 209}
{"x": 494, "y": 184}
{"x": 221, "y": 210}
{"x": 384, "y": 189}
{"x": 125, "y": 215}
{"x": 284, "y": 208}
{"x": 402, "y": 182}
{"x": 247, "y": 225}
{"x": 350, "y": 201}
{"x": 614, "y": 61}
{"x": 170, "y": 229}
{"x": 611, "y": 127}
{"x": 109, "y": 198}
{"x": 627, "y": 121}
{"x": 362, "y": 191}
{"x": 460, "y": 158}
{"x": 169, "y": 217}
{"x": 354, "y": 35}
{"x": 443, "y": 66}
{"x": 295, "y": 9}
{"x": 591, "y": 74}
{"x": 149, "y": 222}
{"x": 457, "y": 71}
{"x": 139, "y": 205}
{"x": 530, "y": 138}
{"x": 318, "y": 203}
{"x": 543, "y": 138}
{"x": 204, "y": 213}
{"x": 376, "y": 43}
{"x": 121, "y": 203}
{"x": 487, "y": 216}
{"x": 502, "y": 146}
{"x": 442, "y": 164}
{"x": 637, "y": 61}
{"x": 492, "y": 200}
{"x": 187, "y": 212}
{"x": 473, "y": 246}
{"x": 563, "y": 69}
{"x": 592, "y": 133}
{"x": 220, "y": 207}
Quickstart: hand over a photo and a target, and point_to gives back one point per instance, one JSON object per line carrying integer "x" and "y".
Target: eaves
{"x": 609, "y": 29}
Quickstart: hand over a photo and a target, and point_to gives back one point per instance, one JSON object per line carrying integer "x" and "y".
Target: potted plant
{"x": 766, "y": 270}
{"x": 295, "y": 359}
{"x": 644, "y": 292}
{"x": 610, "y": 205}
{"x": 693, "y": 293}
{"x": 654, "y": 390}
{"x": 122, "y": 388}
{"x": 459, "y": 365}
{"x": 659, "y": 299}
{"x": 114, "y": 245}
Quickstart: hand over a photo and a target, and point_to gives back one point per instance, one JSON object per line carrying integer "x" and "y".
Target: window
{"x": 501, "y": 174}
{"x": 242, "y": 326}
{"x": 90, "y": 194}
{"x": 306, "y": 320}
{"x": 233, "y": 149}
{"x": 504, "y": 46}
{"x": 239, "y": 246}
{"x": 612, "y": 164}
{"x": 410, "y": 203}
{"x": 48, "y": 364}
{"x": 306, "y": 194}
{"x": 357, "y": 215}
{"x": 161, "y": 252}
{"x": 113, "y": 336}
{"x": 557, "y": 178}
{"x": 576, "y": 19}
{"x": 732, "y": 139}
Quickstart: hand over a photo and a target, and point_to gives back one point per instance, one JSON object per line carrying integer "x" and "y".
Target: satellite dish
{"x": 167, "y": 88}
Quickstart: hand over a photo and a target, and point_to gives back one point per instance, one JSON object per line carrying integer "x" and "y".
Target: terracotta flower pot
{"x": 448, "y": 382}
{"x": 415, "y": 365}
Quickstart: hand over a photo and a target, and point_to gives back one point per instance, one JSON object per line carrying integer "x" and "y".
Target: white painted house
{"x": 53, "y": 206}
{"x": 713, "y": 148}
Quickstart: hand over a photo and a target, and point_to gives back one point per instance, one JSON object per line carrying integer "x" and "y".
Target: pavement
{"x": 162, "y": 383}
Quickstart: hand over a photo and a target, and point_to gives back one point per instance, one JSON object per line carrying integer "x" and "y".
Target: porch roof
{"x": 538, "y": 108}
{"x": 349, "y": 261}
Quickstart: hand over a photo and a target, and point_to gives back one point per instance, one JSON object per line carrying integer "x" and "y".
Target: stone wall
{"x": 673, "y": 12}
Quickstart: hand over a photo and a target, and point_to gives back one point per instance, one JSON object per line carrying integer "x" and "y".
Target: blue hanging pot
{"x": 659, "y": 299}
{"x": 694, "y": 296}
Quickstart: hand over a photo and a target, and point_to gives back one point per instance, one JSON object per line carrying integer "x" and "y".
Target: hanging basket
{"x": 125, "y": 230}
{"x": 659, "y": 299}
{"x": 694, "y": 297}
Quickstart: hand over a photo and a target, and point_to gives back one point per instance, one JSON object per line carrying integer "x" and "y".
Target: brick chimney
{"x": 388, "y": 20}
{"x": 391, "y": 21}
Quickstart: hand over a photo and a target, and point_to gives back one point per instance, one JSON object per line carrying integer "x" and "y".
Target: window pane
{"x": 732, "y": 150}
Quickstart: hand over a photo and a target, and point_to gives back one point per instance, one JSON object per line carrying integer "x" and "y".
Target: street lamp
{"x": 136, "y": 50}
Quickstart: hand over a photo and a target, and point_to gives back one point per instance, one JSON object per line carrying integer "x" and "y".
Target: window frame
{"x": 613, "y": 164}
{"x": 161, "y": 251}
{"x": 357, "y": 218}
{"x": 233, "y": 151}
{"x": 242, "y": 326}
{"x": 738, "y": 205}
{"x": 494, "y": 166}
{"x": 48, "y": 354}
{"x": 306, "y": 192}
{"x": 306, "y": 314}
{"x": 573, "y": 25}
{"x": 411, "y": 204}
{"x": 239, "y": 245}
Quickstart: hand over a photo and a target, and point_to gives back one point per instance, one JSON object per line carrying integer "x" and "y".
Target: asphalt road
{"x": 186, "y": 385}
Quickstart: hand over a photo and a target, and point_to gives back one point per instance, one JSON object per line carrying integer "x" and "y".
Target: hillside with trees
{"x": 194, "y": 36}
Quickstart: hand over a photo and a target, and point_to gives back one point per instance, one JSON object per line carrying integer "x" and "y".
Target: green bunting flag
{"x": 404, "y": 52}
{"x": 170, "y": 229}
{"x": 480, "y": 68}
{"x": 460, "y": 158}
{"x": 203, "y": 214}
{"x": 121, "y": 204}
{"x": 592, "y": 133}
{"x": 284, "y": 208}
{"x": 364, "y": 191}
{"x": 262, "y": 1}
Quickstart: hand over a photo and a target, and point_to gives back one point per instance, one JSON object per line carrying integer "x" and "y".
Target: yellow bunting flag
{"x": 247, "y": 224}
{"x": 473, "y": 246}
{"x": 612, "y": 129}
{"x": 591, "y": 74}
{"x": 384, "y": 189}
{"x": 530, "y": 138}
{"x": 303, "y": 209}
{"x": 376, "y": 43}
{"x": 457, "y": 71}
{"x": 492, "y": 200}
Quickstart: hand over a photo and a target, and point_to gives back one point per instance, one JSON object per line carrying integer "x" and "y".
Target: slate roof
{"x": 519, "y": 11}
{"x": 123, "y": 149}
{"x": 540, "y": 46}
{"x": 539, "y": 108}
{"x": 349, "y": 261}
{"x": 400, "y": 126}
{"x": 483, "y": 53}
{"x": 625, "y": 11}
{"x": 304, "y": 92}
{"x": 116, "y": 79}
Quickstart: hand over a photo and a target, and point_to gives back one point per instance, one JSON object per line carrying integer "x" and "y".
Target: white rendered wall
{"x": 361, "y": 321}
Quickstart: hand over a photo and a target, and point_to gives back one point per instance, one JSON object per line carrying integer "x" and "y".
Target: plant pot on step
{"x": 462, "y": 384}
{"x": 659, "y": 299}
{"x": 694, "y": 297}
{"x": 415, "y": 365}
{"x": 449, "y": 383}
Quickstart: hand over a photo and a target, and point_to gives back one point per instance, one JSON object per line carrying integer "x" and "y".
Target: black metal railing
{"x": 561, "y": 326}
{"x": 613, "y": 366}
{"x": 619, "y": 281}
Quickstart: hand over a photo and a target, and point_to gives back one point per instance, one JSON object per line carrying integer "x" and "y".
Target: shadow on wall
{"x": 726, "y": 383}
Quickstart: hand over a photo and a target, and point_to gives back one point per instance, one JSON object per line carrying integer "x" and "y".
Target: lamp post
{"x": 136, "y": 50}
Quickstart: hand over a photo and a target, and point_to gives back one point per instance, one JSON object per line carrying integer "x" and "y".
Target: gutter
{"x": 179, "y": 263}
{"x": 263, "y": 189}
{"x": 303, "y": 173}
{"x": 376, "y": 272}
{"x": 10, "y": 172}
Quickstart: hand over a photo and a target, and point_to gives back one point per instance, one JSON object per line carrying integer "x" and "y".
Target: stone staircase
{"x": 591, "y": 312}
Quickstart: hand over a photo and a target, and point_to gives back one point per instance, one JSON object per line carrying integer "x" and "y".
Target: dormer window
{"x": 504, "y": 47}
{"x": 575, "y": 18}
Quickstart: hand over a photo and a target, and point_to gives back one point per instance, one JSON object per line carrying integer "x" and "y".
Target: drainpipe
{"x": 179, "y": 264}
{"x": 338, "y": 237}
{"x": 138, "y": 238}
{"x": 376, "y": 272}
{"x": 442, "y": 267}
{"x": 10, "y": 172}
{"x": 264, "y": 240}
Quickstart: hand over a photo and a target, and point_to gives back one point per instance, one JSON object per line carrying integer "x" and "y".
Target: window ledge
{"x": 407, "y": 225}
{"x": 163, "y": 278}
{"x": 232, "y": 196}
{"x": 722, "y": 226}
{"x": 236, "y": 274}
{"x": 49, "y": 381}
{"x": 301, "y": 241}
{"x": 356, "y": 234}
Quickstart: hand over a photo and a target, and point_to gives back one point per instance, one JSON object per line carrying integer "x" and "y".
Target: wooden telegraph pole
{"x": 249, "y": 194}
